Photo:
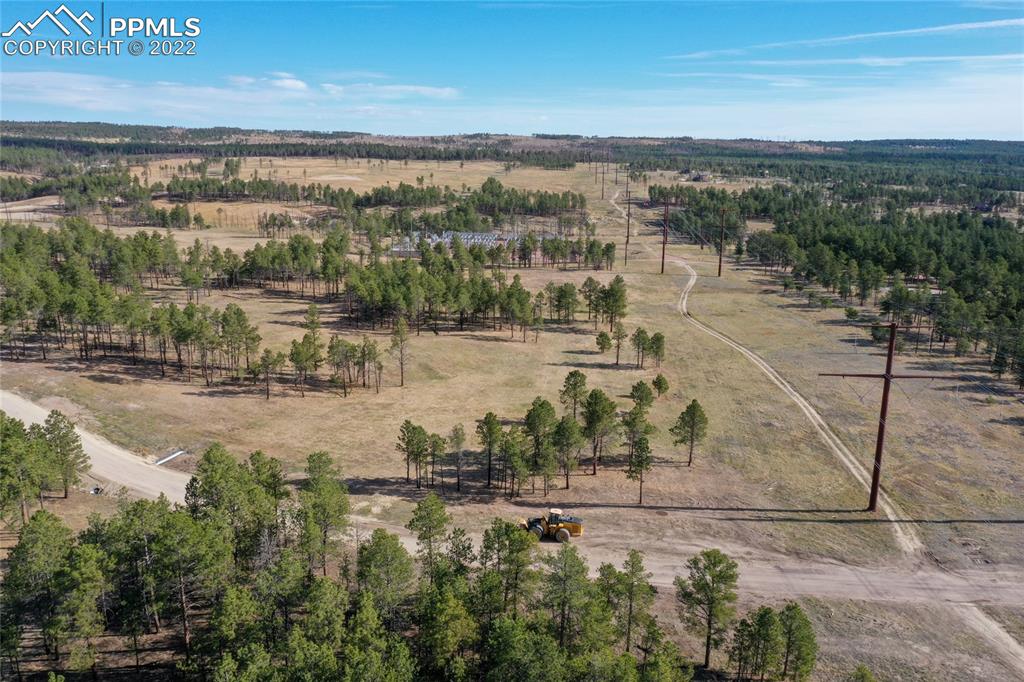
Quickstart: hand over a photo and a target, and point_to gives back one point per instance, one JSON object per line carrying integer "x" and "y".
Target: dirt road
{"x": 110, "y": 464}
{"x": 919, "y": 583}
{"x": 905, "y": 536}
{"x": 761, "y": 574}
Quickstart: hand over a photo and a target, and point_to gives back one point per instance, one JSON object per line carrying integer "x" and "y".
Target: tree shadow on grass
{"x": 797, "y": 515}
{"x": 590, "y": 365}
{"x": 473, "y": 489}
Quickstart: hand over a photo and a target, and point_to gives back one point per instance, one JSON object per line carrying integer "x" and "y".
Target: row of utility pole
{"x": 887, "y": 377}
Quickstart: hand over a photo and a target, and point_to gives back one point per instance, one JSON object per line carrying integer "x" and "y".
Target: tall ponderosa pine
{"x": 598, "y": 422}
{"x": 799, "y": 644}
{"x": 488, "y": 431}
{"x": 640, "y": 461}
{"x": 574, "y": 390}
{"x": 567, "y": 439}
{"x": 66, "y": 449}
{"x": 457, "y": 442}
{"x": 325, "y": 498}
{"x": 691, "y": 427}
{"x": 706, "y": 597}
{"x": 429, "y": 522}
{"x": 619, "y": 334}
{"x": 400, "y": 347}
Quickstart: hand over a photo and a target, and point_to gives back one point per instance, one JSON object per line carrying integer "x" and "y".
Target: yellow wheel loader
{"x": 555, "y": 525}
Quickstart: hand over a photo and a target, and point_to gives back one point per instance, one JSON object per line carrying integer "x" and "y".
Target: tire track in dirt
{"x": 906, "y": 537}
{"x": 761, "y": 574}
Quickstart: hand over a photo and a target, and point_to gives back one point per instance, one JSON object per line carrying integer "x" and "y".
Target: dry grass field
{"x": 763, "y": 467}
{"x": 762, "y": 483}
{"x": 953, "y": 445}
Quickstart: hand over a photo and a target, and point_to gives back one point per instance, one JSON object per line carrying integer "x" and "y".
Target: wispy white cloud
{"x": 964, "y": 101}
{"x": 258, "y": 100}
{"x": 396, "y": 91}
{"x": 859, "y": 37}
{"x": 778, "y": 80}
{"x": 278, "y": 79}
{"x": 289, "y": 83}
{"x": 891, "y": 61}
{"x": 355, "y": 74}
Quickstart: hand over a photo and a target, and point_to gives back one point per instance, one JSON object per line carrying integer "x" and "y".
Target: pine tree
{"x": 574, "y": 390}
{"x": 640, "y": 341}
{"x": 32, "y": 583}
{"x": 567, "y": 439}
{"x": 25, "y": 466}
{"x": 429, "y": 522}
{"x": 640, "y": 463}
{"x": 637, "y": 596}
{"x": 488, "y": 431}
{"x": 799, "y": 644}
{"x": 192, "y": 558}
{"x": 1000, "y": 360}
{"x": 447, "y": 629}
{"x": 598, "y": 422}
{"x": 84, "y": 584}
{"x": 565, "y": 591}
{"x": 691, "y": 427}
{"x": 707, "y": 595}
{"x": 619, "y": 334}
{"x": 384, "y": 571}
{"x": 457, "y": 442}
{"x": 66, "y": 449}
{"x": 400, "y": 346}
{"x": 414, "y": 443}
{"x": 642, "y": 395}
{"x": 370, "y": 653}
{"x": 270, "y": 363}
{"x": 325, "y": 498}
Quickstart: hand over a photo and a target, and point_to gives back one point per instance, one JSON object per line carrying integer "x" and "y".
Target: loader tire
{"x": 562, "y": 535}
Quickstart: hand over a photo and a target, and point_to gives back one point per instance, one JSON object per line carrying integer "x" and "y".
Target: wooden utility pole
{"x": 629, "y": 211}
{"x": 664, "y": 238}
{"x": 604, "y": 167}
{"x": 887, "y": 378}
{"x": 721, "y": 240}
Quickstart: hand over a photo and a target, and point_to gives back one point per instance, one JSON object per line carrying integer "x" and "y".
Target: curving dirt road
{"x": 885, "y": 584}
{"x": 110, "y": 463}
{"x": 907, "y": 539}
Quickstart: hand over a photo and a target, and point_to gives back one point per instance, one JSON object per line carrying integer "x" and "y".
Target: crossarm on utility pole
{"x": 887, "y": 378}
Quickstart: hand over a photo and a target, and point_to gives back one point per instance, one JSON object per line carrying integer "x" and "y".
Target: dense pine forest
{"x": 961, "y": 272}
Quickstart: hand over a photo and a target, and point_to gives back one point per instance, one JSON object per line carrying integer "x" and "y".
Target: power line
{"x": 887, "y": 378}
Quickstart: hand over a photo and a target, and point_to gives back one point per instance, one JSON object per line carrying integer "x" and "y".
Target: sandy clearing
{"x": 762, "y": 573}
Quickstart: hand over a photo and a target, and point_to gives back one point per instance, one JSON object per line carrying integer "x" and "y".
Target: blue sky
{"x": 795, "y": 70}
